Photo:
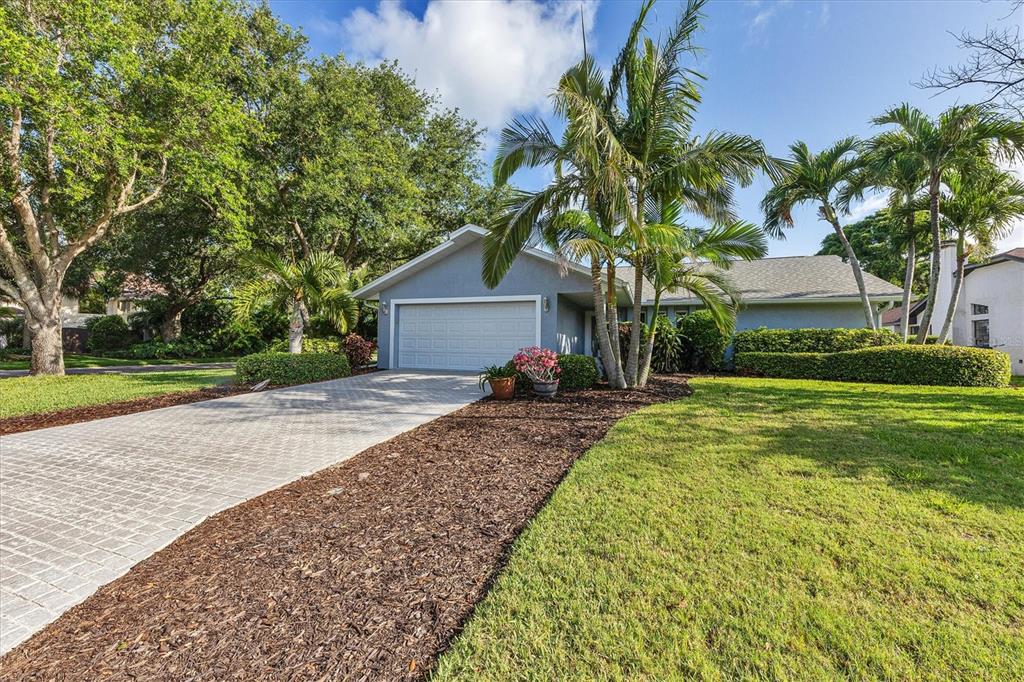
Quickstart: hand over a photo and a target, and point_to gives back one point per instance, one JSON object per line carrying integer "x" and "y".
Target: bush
{"x": 903, "y": 364}
{"x": 578, "y": 372}
{"x": 625, "y": 329}
{"x": 109, "y": 332}
{"x": 158, "y": 350}
{"x": 358, "y": 350}
{"x": 310, "y": 345}
{"x": 763, "y": 340}
{"x": 289, "y": 368}
{"x": 707, "y": 342}
{"x": 670, "y": 348}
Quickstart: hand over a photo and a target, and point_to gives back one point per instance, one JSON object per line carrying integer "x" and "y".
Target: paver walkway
{"x": 81, "y": 504}
{"x": 127, "y": 369}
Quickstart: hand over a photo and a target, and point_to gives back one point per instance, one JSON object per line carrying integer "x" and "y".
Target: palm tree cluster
{"x": 946, "y": 168}
{"x": 627, "y": 170}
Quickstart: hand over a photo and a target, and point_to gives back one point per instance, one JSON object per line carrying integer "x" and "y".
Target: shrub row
{"x": 764, "y": 340}
{"x": 289, "y": 368}
{"x": 903, "y": 364}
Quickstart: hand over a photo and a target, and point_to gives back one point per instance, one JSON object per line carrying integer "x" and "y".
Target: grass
{"x": 74, "y": 361}
{"x": 31, "y": 395}
{"x": 1017, "y": 380}
{"x": 774, "y": 529}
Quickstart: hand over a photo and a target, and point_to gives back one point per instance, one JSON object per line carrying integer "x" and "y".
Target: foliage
{"x": 33, "y": 395}
{"x": 283, "y": 369}
{"x": 625, "y": 332}
{"x": 540, "y": 365}
{"x": 108, "y": 333}
{"x": 808, "y": 504}
{"x": 706, "y": 339}
{"x": 901, "y": 364}
{"x": 506, "y": 371}
{"x": 310, "y": 345}
{"x": 813, "y": 340}
{"x": 576, "y": 371}
{"x": 670, "y": 348}
{"x": 358, "y": 350}
{"x": 181, "y": 348}
{"x": 11, "y": 331}
{"x": 878, "y": 242}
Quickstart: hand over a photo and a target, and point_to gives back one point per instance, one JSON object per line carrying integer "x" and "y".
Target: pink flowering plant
{"x": 540, "y": 365}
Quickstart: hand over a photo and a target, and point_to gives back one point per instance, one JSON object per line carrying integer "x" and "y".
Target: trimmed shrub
{"x": 358, "y": 350}
{"x": 289, "y": 368}
{"x": 903, "y": 364}
{"x": 310, "y": 345}
{"x": 707, "y": 342}
{"x": 578, "y": 371}
{"x": 150, "y": 350}
{"x": 109, "y": 332}
{"x": 764, "y": 340}
{"x": 670, "y": 350}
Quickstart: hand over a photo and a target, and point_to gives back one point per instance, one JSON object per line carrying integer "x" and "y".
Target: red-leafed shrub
{"x": 358, "y": 350}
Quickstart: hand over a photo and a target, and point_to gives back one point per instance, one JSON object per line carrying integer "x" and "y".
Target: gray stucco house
{"x": 436, "y": 312}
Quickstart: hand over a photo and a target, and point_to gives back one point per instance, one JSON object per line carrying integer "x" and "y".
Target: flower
{"x": 539, "y": 364}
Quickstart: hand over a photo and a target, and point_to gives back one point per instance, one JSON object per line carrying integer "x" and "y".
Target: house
{"x": 436, "y": 313}
{"x": 133, "y": 291}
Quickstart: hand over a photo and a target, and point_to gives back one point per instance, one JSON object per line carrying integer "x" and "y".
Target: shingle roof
{"x": 790, "y": 278}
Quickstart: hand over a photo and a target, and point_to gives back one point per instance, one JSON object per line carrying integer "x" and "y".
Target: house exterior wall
{"x": 457, "y": 275}
{"x": 1000, "y": 287}
{"x": 570, "y": 327}
{"x": 801, "y": 315}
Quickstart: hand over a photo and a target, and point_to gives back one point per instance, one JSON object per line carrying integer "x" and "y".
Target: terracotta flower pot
{"x": 545, "y": 389}
{"x": 503, "y": 389}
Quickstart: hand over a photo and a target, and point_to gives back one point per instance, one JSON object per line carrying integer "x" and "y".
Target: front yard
{"x": 774, "y": 529}
{"x": 79, "y": 361}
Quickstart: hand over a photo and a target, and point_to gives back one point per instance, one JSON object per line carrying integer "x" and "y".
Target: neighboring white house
{"x": 990, "y": 311}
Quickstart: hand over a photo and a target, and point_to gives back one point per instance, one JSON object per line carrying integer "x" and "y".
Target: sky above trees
{"x": 780, "y": 71}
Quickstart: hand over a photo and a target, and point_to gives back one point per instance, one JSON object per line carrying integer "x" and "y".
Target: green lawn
{"x": 1017, "y": 381}
{"x": 73, "y": 361}
{"x": 29, "y": 395}
{"x": 773, "y": 529}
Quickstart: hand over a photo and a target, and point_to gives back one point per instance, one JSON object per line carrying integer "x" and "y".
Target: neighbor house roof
{"x": 894, "y": 315}
{"x": 1016, "y": 254}
{"x": 790, "y": 279}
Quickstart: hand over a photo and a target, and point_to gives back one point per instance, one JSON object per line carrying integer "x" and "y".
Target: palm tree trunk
{"x": 613, "y": 322}
{"x": 635, "y": 327}
{"x": 933, "y": 275}
{"x": 958, "y": 281}
{"x": 612, "y": 371}
{"x": 908, "y": 285}
{"x": 296, "y": 326}
{"x": 858, "y": 274}
{"x": 652, "y": 328}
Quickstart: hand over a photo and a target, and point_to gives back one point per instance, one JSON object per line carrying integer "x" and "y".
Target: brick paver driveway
{"x": 80, "y": 504}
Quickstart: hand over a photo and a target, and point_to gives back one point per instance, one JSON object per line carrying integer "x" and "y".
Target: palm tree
{"x": 317, "y": 284}
{"x": 825, "y": 179}
{"x": 982, "y": 205}
{"x": 697, "y": 263}
{"x": 904, "y": 176}
{"x": 958, "y": 135}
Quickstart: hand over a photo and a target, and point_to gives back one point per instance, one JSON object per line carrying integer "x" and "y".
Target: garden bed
{"x": 365, "y": 570}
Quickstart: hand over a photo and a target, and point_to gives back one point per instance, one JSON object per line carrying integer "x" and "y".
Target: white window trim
{"x": 396, "y": 302}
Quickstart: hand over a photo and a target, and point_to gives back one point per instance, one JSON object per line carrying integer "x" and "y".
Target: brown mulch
{"x": 73, "y": 415}
{"x": 365, "y": 570}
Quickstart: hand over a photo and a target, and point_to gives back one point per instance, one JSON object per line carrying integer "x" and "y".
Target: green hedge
{"x": 707, "y": 343}
{"x": 764, "y": 340}
{"x": 109, "y": 332}
{"x": 310, "y": 345}
{"x": 903, "y": 364}
{"x": 288, "y": 368}
{"x": 578, "y": 371}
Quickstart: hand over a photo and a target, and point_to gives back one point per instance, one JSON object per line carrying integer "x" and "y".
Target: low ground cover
{"x": 360, "y": 571}
{"x": 31, "y": 395}
{"x": 774, "y": 529}
{"x": 76, "y": 361}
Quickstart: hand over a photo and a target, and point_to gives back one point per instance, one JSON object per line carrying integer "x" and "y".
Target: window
{"x": 978, "y": 309}
{"x": 981, "y": 333}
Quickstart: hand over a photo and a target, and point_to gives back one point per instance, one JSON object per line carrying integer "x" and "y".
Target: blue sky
{"x": 780, "y": 71}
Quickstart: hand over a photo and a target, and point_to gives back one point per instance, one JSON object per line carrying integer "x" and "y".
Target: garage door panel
{"x": 463, "y": 336}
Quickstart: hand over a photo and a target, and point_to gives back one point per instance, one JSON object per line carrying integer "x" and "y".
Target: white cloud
{"x": 758, "y": 24}
{"x": 492, "y": 59}
{"x": 873, "y": 204}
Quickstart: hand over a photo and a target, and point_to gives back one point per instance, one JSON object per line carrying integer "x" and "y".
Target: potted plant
{"x": 540, "y": 365}
{"x": 502, "y": 379}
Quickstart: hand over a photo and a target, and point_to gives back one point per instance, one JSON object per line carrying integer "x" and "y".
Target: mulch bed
{"x": 365, "y": 570}
{"x": 73, "y": 415}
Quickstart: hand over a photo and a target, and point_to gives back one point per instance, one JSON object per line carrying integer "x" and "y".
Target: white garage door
{"x": 463, "y": 336}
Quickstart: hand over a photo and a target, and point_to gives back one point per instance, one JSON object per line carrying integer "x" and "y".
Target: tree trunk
{"x": 858, "y": 274}
{"x": 295, "y": 328}
{"x": 648, "y": 353}
{"x": 958, "y": 281}
{"x": 635, "y": 327}
{"x": 613, "y": 324}
{"x": 47, "y": 346}
{"x": 908, "y": 285}
{"x": 170, "y": 327}
{"x": 933, "y": 276}
{"x": 612, "y": 372}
